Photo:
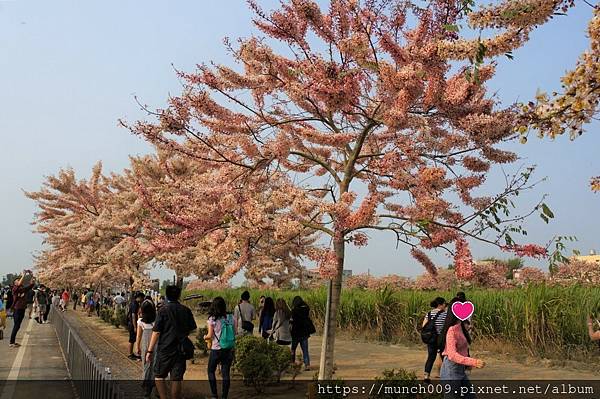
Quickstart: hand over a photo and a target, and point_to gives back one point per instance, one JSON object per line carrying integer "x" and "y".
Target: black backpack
{"x": 429, "y": 333}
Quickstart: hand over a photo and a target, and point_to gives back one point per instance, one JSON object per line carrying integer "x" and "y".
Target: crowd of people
{"x": 159, "y": 327}
{"x": 158, "y": 333}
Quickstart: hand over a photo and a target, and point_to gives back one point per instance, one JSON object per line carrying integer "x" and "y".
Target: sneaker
{"x": 15, "y": 345}
{"x": 307, "y": 368}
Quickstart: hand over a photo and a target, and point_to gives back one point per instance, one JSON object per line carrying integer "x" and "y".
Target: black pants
{"x": 18, "y": 316}
{"x": 225, "y": 357}
{"x": 47, "y": 312}
{"x": 432, "y": 352}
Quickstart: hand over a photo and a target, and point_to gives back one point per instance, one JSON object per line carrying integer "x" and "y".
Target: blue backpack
{"x": 227, "y": 337}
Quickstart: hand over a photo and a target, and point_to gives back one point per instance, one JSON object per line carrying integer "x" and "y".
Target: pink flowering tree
{"x": 374, "y": 118}
{"x": 91, "y": 229}
{"x": 444, "y": 280}
{"x": 577, "y": 272}
{"x": 531, "y": 275}
{"x": 215, "y": 230}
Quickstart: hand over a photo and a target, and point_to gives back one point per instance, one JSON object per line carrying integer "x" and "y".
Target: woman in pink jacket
{"x": 455, "y": 341}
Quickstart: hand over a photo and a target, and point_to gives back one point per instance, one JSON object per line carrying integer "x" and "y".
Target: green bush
{"x": 260, "y": 362}
{"x": 106, "y": 314}
{"x": 399, "y": 381}
{"x": 119, "y": 318}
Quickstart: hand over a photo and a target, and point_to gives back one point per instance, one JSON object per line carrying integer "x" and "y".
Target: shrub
{"x": 106, "y": 314}
{"x": 119, "y": 318}
{"x": 400, "y": 381}
{"x": 260, "y": 362}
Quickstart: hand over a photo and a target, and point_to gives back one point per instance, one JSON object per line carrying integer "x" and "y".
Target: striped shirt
{"x": 439, "y": 322}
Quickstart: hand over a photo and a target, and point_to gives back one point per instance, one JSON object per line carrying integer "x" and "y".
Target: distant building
{"x": 593, "y": 257}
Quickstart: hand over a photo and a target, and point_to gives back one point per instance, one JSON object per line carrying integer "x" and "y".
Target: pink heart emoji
{"x": 463, "y": 310}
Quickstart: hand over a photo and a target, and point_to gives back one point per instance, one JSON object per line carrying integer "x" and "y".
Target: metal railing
{"x": 91, "y": 379}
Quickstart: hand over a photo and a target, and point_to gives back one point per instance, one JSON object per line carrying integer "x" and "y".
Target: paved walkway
{"x": 35, "y": 367}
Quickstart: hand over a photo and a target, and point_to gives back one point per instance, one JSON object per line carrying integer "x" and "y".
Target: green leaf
{"x": 544, "y": 218}
{"x": 547, "y": 211}
{"x": 451, "y": 27}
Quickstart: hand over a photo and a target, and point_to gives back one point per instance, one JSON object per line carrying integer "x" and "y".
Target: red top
{"x": 65, "y": 296}
{"x": 20, "y": 296}
{"x": 457, "y": 347}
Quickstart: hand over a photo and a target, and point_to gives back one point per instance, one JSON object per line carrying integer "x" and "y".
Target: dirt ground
{"x": 356, "y": 360}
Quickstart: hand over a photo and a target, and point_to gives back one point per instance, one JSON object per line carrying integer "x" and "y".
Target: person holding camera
{"x": 21, "y": 289}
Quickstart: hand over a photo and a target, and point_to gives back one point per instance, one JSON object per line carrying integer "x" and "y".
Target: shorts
{"x": 132, "y": 335}
{"x": 42, "y": 309}
{"x": 172, "y": 365}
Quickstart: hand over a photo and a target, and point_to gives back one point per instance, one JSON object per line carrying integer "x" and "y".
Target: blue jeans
{"x": 18, "y": 316}
{"x": 304, "y": 346}
{"x": 225, "y": 358}
{"x": 454, "y": 375}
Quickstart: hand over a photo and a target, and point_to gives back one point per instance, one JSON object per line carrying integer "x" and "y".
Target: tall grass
{"x": 540, "y": 319}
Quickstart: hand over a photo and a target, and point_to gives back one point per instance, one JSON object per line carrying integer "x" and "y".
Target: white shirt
{"x": 119, "y": 299}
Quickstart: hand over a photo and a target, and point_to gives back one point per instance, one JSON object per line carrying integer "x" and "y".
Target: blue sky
{"x": 70, "y": 69}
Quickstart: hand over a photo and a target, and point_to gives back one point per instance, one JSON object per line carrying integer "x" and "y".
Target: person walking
{"x": 132, "y": 316}
{"x": 302, "y": 328}
{"x": 30, "y": 300}
{"x": 9, "y": 301}
{"x": 144, "y": 331}
{"x": 65, "y": 298}
{"x": 20, "y": 293}
{"x": 433, "y": 323}
{"x": 281, "y": 323}
{"x": 89, "y": 302}
{"x": 41, "y": 300}
{"x": 119, "y": 300}
{"x": 454, "y": 343}
{"x": 174, "y": 322}
{"x": 244, "y": 314}
{"x": 265, "y": 320}
{"x": 221, "y": 333}
{"x": 98, "y": 303}
{"x": 75, "y": 300}
{"x": 84, "y": 298}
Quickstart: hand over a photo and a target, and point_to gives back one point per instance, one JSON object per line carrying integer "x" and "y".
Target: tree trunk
{"x": 333, "y": 302}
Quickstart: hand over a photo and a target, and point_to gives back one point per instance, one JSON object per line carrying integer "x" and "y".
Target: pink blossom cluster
{"x": 527, "y": 250}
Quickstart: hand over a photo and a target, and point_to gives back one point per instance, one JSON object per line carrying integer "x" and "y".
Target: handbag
{"x": 246, "y": 325}
{"x": 185, "y": 347}
{"x": 311, "y": 327}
